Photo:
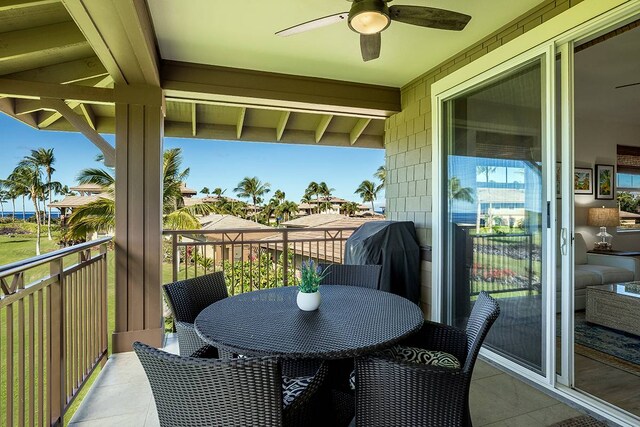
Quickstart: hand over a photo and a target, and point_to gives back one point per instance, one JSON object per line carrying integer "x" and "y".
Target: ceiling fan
{"x": 370, "y": 17}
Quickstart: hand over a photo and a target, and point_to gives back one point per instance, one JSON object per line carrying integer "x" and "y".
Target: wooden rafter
{"x": 33, "y": 42}
{"x": 49, "y": 118}
{"x": 322, "y": 126}
{"x": 35, "y": 90}
{"x": 240, "y": 122}
{"x": 7, "y": 107}
{"x": 63, "y": 73}
{"x": 19, "y": 4}
{"x": 357, "y": 130}
{"x": 282, "y": 124}
{"x": 194, "y": 119}
{"x": 89, "y": 115}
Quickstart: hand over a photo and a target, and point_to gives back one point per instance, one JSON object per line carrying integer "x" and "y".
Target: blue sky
{"x": 213, "y": 163}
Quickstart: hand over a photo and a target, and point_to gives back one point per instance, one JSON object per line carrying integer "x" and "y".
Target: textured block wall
{"x": 409, "y": 191}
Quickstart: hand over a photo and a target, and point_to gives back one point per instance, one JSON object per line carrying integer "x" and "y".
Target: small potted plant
{"x": 311, "y": 275}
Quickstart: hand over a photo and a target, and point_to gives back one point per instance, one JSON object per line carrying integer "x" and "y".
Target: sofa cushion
{"x": 585, "y": 276}
{"x": 580, "y": 250}
{"x": 609, "y": 274}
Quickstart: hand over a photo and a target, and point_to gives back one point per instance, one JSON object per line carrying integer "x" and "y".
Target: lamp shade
{"x": 604, "y": 217}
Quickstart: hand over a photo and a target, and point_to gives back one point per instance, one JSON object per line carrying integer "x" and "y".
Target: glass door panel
{"x": 494, "y": 211}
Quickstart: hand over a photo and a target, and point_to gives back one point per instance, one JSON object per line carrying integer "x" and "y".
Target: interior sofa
{"x": 598, "y": 269}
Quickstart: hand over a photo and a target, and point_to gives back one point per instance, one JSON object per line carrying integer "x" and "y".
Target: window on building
{"x": 628, "y": 187}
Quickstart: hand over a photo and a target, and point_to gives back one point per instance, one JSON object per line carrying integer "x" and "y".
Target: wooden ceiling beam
{"x": 121, "y": 34}
{"x": 7, "y": 106}
{"x": 18, "y": 44}
{"x": 63, "y": 73}
{"x": 260, "y": 134}
{"x": 322, "y": 126}
{"x": 26, "y": 106}
{"x": 240, "y": 123}
{"x": 36, "y": 90}
{"x": 279, "y": 91}
{"x": 282, "y": 124}
{"x": 357, "y": 130}
{"x": 83, "y": 127}
{"x": 6, "y": 5}
{"x": 89, "y": 115}
{"x": 47, "y": 119}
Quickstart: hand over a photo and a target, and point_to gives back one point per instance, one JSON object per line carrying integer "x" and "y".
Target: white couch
{"x": 598, "y": 269}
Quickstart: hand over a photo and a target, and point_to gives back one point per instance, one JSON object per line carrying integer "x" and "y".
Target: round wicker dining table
{"x": 351, "y": 321}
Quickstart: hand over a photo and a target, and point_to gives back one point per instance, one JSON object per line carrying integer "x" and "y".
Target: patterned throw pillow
{"x": 420, "y": 355}
{"x": 293, "y": 387}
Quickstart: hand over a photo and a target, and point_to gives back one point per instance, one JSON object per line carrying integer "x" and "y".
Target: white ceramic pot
{"x": 308, "y": 301}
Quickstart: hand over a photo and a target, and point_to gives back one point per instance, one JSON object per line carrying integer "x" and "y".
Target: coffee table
{"x": 615, "y": 306}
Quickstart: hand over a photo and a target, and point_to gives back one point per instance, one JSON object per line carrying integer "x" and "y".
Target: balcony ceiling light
{"x": 369, "y": 16}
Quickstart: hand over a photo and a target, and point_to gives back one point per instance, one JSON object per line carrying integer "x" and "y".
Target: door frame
{"x": 587, "y": 19}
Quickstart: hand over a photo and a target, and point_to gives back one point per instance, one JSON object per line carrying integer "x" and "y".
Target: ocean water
{"x": 28, "y": 214}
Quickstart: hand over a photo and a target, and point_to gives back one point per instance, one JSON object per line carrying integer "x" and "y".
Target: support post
{"x": 139, "y": 133}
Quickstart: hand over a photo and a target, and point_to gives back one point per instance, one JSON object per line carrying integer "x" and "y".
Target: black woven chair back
{"x": 187, "y": 298}
{"x": 485, "y": 311}
{"x": 364, "y": 276}
{"x": 213, "y": 392}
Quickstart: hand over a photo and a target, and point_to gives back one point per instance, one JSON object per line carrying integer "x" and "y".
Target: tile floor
{"x": 121, "y": 396}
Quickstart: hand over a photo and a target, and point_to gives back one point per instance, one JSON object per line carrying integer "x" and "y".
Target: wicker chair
{"x": 394, "y": 392}
{"x": 187, "y": 298}
{"x": 365, "y": 276}
{"x": 233, "y": 392}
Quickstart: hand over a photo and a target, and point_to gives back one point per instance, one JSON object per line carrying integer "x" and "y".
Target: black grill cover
{"x": 394, "y": 245}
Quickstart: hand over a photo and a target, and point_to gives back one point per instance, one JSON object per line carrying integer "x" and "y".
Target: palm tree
{"x": 206, "y": 191}
{"x": 368, "y": 191}
{"x": 381, "y": 174}
{"x": 100, "y": 214}
{"x": 325, "y": 192}
{"x": 28, "y": 175}
{"x": 219, "y": 191}
{"x": 4, "y": 197}
{"x": 44, "y": 158}
{"x": 287, "y": 210}
{"x": 313, "y": 189}
{"x": 279, "y": 196}
{"x": 252, "y": 188}
{"x": 350, "y": 208}
{"x": 457, "y": 192}
{"x": 486, "y": 170}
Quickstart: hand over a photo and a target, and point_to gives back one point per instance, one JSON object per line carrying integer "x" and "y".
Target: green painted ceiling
{"x": 240, "y": 33}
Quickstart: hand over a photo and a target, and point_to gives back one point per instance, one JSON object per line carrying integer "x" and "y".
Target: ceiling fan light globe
{"x": 369, "y": 22}
{"x": 369, "y": 16}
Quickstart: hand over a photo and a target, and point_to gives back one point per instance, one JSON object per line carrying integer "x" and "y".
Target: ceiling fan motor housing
{"x": 369, "y": 16}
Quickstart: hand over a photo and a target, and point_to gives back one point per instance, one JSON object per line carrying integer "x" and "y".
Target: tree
{"x": 4, "y": 197}
{"x": 219, "y": 191}
{"x": 100, "y": 214}
{"x": 628, "y": 203}
{"x": 279, "y": 196}
{"x": 350, "y": 208}
{"x": 325, "y": 191}
{"x": 44, "y": 158}
{"x": 368, "y": 191}
{"x": 252, "y": 188}
{"x": 457, "y": 192}
{"x": 381, "y": 174}
{"x": 313, "y": 189}
{"x": 486, "y": 170}
{"x": 206, "y": 191}
{"x": 28, "y": 175}
{"x": 287, "y": 210}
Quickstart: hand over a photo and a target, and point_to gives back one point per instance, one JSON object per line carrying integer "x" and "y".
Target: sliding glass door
{"x": 494, "y": 208}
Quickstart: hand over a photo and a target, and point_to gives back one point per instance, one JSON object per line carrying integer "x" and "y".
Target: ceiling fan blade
{"x": 312, "y": 25}
{"x": 628, "y": 85}
{"x": 429, "y": 17}
{"x": 370, "y": 46}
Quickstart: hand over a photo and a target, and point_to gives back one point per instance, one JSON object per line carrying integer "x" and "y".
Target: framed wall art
{"x": 583, "y": 180}
{"x": 605, "y": 182}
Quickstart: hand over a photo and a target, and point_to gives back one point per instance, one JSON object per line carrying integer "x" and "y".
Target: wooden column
{"x": 139, "y": 133}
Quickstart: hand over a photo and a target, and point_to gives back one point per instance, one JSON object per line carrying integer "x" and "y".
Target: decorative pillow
{"x": 420, "y": 355}
{"x": 293, "y": 387}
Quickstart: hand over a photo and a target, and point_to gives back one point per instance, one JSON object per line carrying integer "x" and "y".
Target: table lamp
{"x": 603, "y": 218}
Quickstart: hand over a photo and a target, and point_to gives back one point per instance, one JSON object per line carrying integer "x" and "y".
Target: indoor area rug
{"x": 606, "y": 345}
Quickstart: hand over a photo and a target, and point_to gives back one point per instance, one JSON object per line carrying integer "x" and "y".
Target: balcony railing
{"x": 53, "y": 331}
{"x": 252, "y": 259}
